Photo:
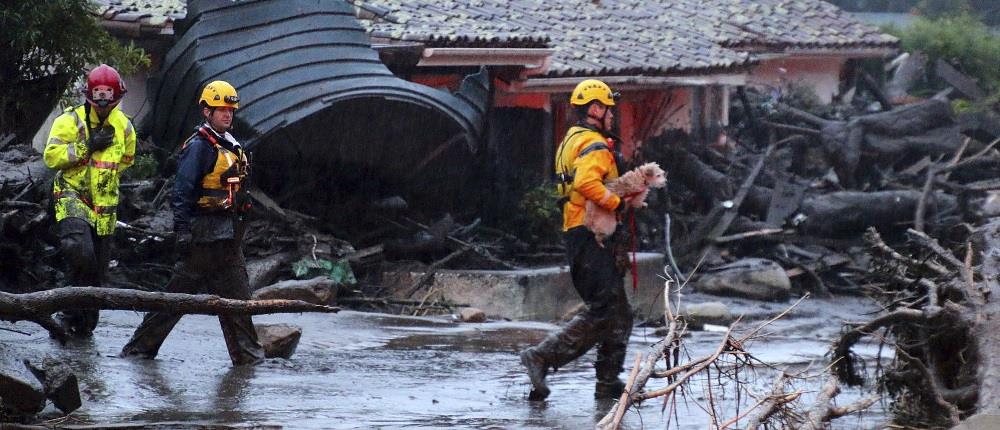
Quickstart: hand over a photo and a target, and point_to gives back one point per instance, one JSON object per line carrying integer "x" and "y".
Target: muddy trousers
{"x": 85, "y": 257}
{"x": 215, "y": 268}
{"x": 607, "y": 322}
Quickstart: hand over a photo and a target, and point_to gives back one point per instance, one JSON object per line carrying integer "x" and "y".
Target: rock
{"x": 278, "y": 340}
{"x": 20, "y": 394}
{"x": 319, "y": 290}
{"x": 59, "y": 383}
{"x": 980, "y": 422}
{"x": 262, "y": 272}
{"x": 475, "y": 315}
{"x": 754, "y": 278}
{"x": 699, "y": 314}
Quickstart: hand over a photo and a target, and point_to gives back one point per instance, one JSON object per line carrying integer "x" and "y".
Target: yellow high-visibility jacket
{"x": 585, "y": 161}
{"x": 86, "y": 184}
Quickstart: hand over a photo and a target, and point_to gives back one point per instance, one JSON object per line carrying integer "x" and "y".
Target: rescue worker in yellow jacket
{"x": 209, "y": 203}
{"x": 585, "y": 160}
{"x": 90, "y": 145}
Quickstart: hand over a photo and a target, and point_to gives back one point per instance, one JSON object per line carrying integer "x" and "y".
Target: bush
{"x": 145, "y": 167}
{"x": 47, "y": 44}
{"x": 539, "y": 219}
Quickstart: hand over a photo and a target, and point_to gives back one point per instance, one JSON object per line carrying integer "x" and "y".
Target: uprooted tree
{"x": 943, "y": 321}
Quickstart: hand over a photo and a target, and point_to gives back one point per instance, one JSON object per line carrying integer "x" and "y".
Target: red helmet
{"x": 105, "y": 86}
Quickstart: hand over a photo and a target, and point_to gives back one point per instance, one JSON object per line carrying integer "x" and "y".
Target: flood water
{"x": 357, "y": 370}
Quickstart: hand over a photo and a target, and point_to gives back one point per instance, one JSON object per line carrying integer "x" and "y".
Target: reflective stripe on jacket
{"x": 587, "y": 158}
{"x": 86, "y": 184}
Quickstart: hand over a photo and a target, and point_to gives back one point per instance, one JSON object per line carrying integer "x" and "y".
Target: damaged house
{"x": 328, "y": 103}
{"x": 675, "y": 62}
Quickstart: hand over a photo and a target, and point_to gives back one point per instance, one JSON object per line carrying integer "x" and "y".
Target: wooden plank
{"x": 785, "y": 200}
{"x": 959, "y": 80}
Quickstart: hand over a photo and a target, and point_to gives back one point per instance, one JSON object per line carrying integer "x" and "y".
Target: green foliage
{"x": 961, "y": 40}
{"x": 539, "y": 218}
{"x": 48, "y": 44}
{"x": 339, "y": 272}
{"x": 934, "y": 9}
{"x": 145, "y": 167}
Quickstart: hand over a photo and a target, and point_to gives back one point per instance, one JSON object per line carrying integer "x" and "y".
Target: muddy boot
{"x": 537, "y": 370}
{"x": 611, "y": 389}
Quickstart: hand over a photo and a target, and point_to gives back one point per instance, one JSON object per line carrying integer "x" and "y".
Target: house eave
{"x": 853, "y": 52}
{"x": 529, "y": 58}
{"x": 138, "y": 29}
{"x": 629, "y": 83}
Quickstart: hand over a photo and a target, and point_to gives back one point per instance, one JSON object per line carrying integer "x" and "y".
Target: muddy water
{"x": 361, "y": 370}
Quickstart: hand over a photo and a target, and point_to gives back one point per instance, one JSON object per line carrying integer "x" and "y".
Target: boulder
{"x": 753, "y": 278}
{"x": 20, "y": 394}
{"x": 699, "y": 314}
{"x": 474, "y": 315}
{"x": 59, "y": 383}
{"x": 278, "y": 340}
{"x": 319, "y": 290}
{"x": 262, "y": 272}
{"x": 980, "y": 422}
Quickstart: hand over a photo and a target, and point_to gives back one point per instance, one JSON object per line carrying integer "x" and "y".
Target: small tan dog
{"x": 634, "y": 185}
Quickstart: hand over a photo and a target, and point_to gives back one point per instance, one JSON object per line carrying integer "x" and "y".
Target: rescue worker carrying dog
{"x": 208, "y": 203}
{"x": 586, "y": 159}
{"x": 90, "y": 145}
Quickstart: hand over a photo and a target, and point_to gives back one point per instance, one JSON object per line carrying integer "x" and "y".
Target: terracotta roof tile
{"x": 628, "y": 36}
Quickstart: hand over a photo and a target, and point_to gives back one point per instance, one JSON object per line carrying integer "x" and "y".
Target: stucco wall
{"x": 820, "y": 73}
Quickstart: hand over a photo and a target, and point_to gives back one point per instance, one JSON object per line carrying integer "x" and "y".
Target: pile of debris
{"x": 804, "y": 195}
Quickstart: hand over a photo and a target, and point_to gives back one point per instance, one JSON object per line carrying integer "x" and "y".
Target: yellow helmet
{"x": 590, "y": 90}
{"x": 219, "y": 94}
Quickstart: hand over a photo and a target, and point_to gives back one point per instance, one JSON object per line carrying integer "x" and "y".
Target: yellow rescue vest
{"x": 584, "y": 161}
{"x": 86, "y": 184}
{"x": 221, "y": 186}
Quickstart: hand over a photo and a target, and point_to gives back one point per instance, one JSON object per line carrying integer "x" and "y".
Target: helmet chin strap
{"x": 600, "y": 119}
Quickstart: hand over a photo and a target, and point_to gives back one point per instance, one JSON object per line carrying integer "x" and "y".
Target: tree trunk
{"x": 986, "y": 329}
{"x": 38, "y": 307}
{"x": 847, "y": 213}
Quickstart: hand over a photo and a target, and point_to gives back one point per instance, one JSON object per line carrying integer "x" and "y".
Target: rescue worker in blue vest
{"x": 585, "y": 160}
{"x": 90, "y": 145}
{"x": 208, "y": 203}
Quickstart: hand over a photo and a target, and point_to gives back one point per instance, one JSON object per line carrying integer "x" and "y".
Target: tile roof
{"x": 160, "y": 13}
{"x": 791, "y": 23}
{"x": 593, "y": 37}
{"x": 624, "y": 37}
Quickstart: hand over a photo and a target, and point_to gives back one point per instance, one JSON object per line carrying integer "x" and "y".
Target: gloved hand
{"x": 623, "y": 205}
{"x": 182, "y": 243}
{"x": 101, "y": 140}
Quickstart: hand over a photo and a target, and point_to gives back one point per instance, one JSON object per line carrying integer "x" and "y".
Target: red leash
{"x": 635, "y": 265}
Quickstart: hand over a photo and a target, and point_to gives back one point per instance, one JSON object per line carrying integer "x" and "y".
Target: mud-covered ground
{"x": 363, "y": 370}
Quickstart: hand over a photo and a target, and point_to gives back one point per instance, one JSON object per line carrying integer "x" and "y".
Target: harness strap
{"x": 635, "y": 263}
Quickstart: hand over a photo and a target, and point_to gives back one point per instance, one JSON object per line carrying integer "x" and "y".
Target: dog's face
{"x": 653, "y": 175}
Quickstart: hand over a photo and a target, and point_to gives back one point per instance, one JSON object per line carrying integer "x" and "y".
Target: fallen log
{"x": 38, "y": 307}
{"x": 711, "y": 185}
{"x": 851, "y": 212}
{"x": 926, "y": 128}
